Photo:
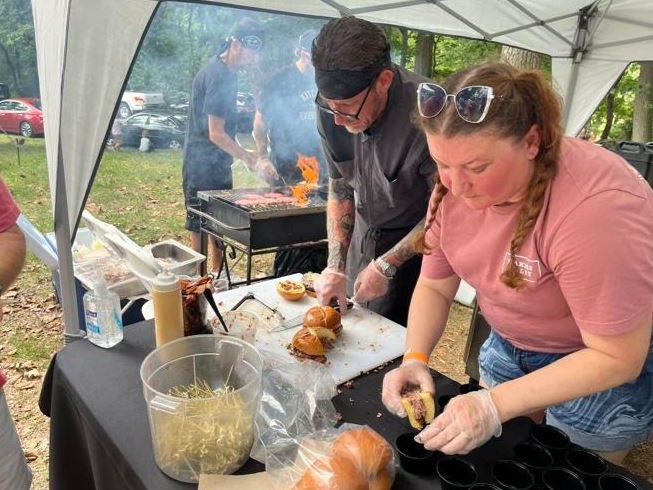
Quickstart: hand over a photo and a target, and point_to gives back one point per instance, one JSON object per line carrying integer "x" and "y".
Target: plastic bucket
{"x": 202, "y": 393}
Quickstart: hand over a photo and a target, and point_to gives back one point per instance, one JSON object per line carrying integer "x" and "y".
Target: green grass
{"x": 140, "y": 193}
{"x": 30, "y": 349}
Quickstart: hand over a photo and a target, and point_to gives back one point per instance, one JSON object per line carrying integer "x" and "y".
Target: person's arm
{"x": 605, "y": 362}
{"x": 340, "y": 222}
{"x": 404, "y": 250}
{"x": 12, "y": 244}
{"x": 260, "y": 135}
{"x": 221, "y": 139}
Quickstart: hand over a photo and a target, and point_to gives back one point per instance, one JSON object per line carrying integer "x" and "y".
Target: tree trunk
{"x": 609, "y": 115}
{"x": 424, "y": 54}
{"x": 12, "y": 69}
{"x": 643, "y": 101}
{"x": 520, "y": 58}
{"x": 404, "y": 45}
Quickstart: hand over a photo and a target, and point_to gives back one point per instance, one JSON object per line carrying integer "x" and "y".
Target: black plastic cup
{"x": 511, "y": 475}
{"x": 534, "y": 456}
{"x": 413, "y": 457}
{"x": 455, "y": 473}
{"x": 468, "y": 387}
{"x": 444, "y": 400}
{"x": 552, "y": 438}
{"x": 615, "y": 481}
{"x": 557, "y": 478}
{"x": 586, "y": 464}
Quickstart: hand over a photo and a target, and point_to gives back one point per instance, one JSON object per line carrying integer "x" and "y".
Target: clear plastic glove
{"x": 332, "y": 284}
{"x": 410, "y": 373}
{"x": 370, "y": 284}
{"x": 468, "y": 421}
{"x": 265, "y": 169}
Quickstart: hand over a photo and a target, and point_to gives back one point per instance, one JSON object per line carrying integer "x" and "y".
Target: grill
{"x": 263, "y": 226}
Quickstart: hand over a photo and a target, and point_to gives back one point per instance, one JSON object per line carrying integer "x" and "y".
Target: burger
{"x": 305, "y": 344}
{"x": 323, "y": 317}
{"x": 321, "y": 328}
{"x": 308, "y": 280}
{"x": 420, "y": 408}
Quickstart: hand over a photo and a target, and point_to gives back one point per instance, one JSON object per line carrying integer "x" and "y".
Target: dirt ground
{"x": 32, "y": 332}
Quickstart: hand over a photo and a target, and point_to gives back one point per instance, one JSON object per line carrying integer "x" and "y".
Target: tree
{"x": 424, "y": 54}
{"x": 643, "y": 102}
{"x": 521, "y": 58}
{"x": 18, "y": 48}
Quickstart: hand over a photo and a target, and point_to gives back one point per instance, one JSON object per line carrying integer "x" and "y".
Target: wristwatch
{"x": 387, "y": 269}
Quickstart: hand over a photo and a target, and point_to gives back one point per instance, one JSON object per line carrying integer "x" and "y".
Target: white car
{"x": 139, "y": 101}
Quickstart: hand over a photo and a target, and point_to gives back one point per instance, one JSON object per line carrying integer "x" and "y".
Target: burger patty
{"x": 301, "y": 355}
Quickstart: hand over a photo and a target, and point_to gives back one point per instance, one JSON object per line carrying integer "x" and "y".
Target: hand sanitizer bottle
{"x": 103, "y": 317}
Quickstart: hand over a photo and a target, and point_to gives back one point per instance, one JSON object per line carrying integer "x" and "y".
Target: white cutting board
{"x": 368, "y": 339}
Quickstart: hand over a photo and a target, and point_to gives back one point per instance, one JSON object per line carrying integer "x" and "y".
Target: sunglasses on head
{"x": 254, "y": 43}
{"x": 472, "y": 103}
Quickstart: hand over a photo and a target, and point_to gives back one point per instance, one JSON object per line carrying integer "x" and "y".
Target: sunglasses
{"x": 472, "y": 103}
{"x": 323, "y": 106}
{"x": 254, "y": 43}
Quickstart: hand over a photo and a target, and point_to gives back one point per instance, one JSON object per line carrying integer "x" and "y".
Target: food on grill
{"x": 308, "y": 280}
{"x": 323, "y": 317}
{"x": 291, "y": 290}
{"x": 267, "y": 199}
{"x": 358, "y": 458}
{"x": 307, "y": 345}
{"x": 420, "y": 408}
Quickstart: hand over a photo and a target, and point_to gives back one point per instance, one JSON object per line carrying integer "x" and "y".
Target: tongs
{"x": 250, "y": 295}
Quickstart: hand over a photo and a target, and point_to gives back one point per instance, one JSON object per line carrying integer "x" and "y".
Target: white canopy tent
{"x": 86, "y": 48}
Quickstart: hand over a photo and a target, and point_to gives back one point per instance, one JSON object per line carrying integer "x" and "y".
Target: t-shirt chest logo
{"x": 529, "y": 269}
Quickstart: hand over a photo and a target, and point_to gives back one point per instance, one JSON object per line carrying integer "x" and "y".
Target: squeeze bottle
{"x": 168, "y": 309}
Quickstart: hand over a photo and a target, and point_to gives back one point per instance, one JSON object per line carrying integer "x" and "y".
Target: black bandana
{"x": 344, "y": 84}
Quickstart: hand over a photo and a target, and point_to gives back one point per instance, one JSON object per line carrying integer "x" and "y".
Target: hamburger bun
{"x": 419, "y": 407}
{"x": 306, "y": 345}
{"x": 308, "y": 280}
{"x": 358, "y": 459}
{"x": 291, "y": 290}
{"x": 323, "y": 317}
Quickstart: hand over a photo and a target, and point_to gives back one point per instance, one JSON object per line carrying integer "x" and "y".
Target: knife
{"x": 296, "y": 321}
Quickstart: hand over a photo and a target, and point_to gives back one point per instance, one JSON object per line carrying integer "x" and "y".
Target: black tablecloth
{"x": 100, "y": 437}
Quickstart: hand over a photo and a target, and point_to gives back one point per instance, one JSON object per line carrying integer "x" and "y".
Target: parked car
{"x": 246, "y": 107}
{"x": 4, "y": 91}
{"x": 132, "y": 102}
{"x": 21, "y": 116}
{"x": 164, "y": 131}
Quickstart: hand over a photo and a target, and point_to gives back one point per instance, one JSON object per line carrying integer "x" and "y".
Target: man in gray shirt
{"x": 380, "y": 171}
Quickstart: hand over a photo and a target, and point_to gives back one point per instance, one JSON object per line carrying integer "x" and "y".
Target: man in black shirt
{"x": 380, "y": 171}
{"x": 284, "y": 128}
{"x": 210, "y": 147}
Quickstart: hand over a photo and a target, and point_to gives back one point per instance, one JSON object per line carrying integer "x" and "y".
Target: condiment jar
{"x": 168, "y": 309}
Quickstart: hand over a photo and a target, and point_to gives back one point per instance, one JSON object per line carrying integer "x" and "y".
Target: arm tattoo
{"x": 340, "y": 222}
{"x": 404, "y": 250}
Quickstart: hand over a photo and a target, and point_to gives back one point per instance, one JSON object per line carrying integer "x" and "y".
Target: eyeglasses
{"x": 472, "y": 103}
{"x": 254, "y": 43}
{"x": 322, "y": 105}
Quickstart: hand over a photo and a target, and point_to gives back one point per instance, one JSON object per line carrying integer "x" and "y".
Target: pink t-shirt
{"x": 588, "y": 262}
{"x": 8, "y": 215}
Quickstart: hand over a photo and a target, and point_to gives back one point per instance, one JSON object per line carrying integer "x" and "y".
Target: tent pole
{"x": 64, "y": 242}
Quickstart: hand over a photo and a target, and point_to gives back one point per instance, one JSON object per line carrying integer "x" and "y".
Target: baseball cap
{"x": 249, "y": 31}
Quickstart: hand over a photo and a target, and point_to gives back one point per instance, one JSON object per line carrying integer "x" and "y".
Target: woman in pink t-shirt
{"x": 555, "y": 235}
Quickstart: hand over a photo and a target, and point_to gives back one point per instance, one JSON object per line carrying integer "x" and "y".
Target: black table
{"x": 100, "y": 437}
